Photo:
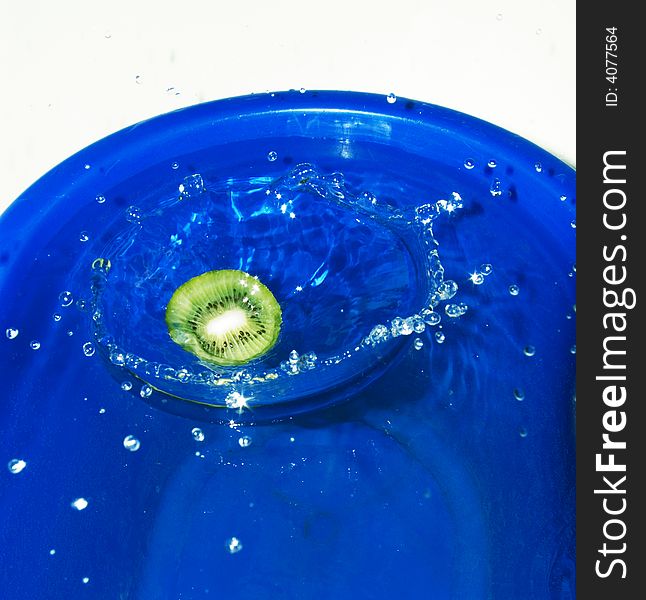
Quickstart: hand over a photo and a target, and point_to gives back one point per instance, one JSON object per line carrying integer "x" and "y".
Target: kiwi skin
{"x": 200, "y": 300}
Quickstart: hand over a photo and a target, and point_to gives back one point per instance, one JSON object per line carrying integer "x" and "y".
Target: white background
{"x": 74, "y": 71}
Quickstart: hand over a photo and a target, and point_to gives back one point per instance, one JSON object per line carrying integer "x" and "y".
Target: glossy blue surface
{"x": 440, "y": 472}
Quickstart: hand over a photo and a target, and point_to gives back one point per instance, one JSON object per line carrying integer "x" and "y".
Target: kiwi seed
{"x": 225, "y": 317}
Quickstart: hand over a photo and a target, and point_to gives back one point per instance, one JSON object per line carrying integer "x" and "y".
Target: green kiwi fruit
{"x": 225, "y": 317}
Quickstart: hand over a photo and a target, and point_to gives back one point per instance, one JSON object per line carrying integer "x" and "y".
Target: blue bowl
{"x": 410, "y": 433}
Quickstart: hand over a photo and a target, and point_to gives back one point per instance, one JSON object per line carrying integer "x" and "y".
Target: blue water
{"x": 412, "y": 432}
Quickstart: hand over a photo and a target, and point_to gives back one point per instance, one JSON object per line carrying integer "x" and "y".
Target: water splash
{"x": 253, "y": 200}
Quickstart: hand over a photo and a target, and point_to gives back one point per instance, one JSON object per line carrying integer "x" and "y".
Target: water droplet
{"x": 191, "y": 186}
{"x": 440, "y": 337}
{"x": 514, "y": 290}
{"x": 418, "y": 344}
{"x": 79, "y": 504}
{"x": 102, "y": 411}
{"x": 66, "y": 298}
{"x": 233, "y": 545}
{"x": 52, "y": 552}
{"x": 88, "y": 349}
{"x": 133, "y": 214}
{"x": 130, "y": 442}
{"x": 34, "y": 344}
{"x": 519, "y": 394}
{"x": 522, "y": 432}
{"x": 391, "y": 98}
{"x": 56, "y": 317}
{"x": 84, "y": 236}
{"x": 430, "y": 317}
{"x": 16, "y": 465}
{"x": 539, "y": 31}
{"x": 86, "y": 580}
{"x": 87, "y": 167}
{"x": 499, "y": 17}
{"x": 138, "y": 79}
{"x": 573, "y": 224}
{"x": 272, "y": 156}
{"x": 573, "y": 349}
{"x": 476, "y": 278}
{"x": 492, "y": 164}
{"x": 244, "y": 441}
{"x": 198, "y": 434}
{"x": 455, "y": 310}
{"x": 11, "y": 333}
{"x": 302, "y": 90}
{"x": 562, "y": 198}
{"x": 539, "y": 167}
{"x": 495, "y": 189}
{"x": 399, "y": 326}
{"x": 174, "y": 166}
{"x": 100, "y": 199}
{"x": 469, "y": 163}
{"x": 529, "y": 350}
{"x": 145, "y": 391}
{"x": 378, "y": 334}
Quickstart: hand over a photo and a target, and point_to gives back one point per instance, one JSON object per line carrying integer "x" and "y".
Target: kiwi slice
{"x": 225, "y": 317}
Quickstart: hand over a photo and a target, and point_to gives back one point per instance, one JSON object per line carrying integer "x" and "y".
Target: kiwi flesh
{"x": 225, "y": 317}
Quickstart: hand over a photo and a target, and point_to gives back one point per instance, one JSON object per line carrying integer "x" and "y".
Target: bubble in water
{"x": 492, "y": 164}
{"x": 244, "y": 441}
{"x": 562, "y": 198}
{"x": 495, "y": 189}
{"x": 391, "y": 98}
{"x": 145, "y": 391}
{"x": 573, "y": 349}
{"x": 87, "y": 166}
{"x": 138, "y": 79}
{"x": 133, "y": 214}
{"x": 70, "y": 333}
{"x": 56, "y": 317}
{"x": 539, "y": 31}
{"x": 539, "y": 167}
{"x": 66, "y": 298}
{"x": 79, "y": 504}
{"x": 272, "y": 156}
{"x": 52, "y": 552}
{"x": 193, "y": 185}
{"x": 16, "y": 465}
{"x": 130, "y": 442}
{"x": 34, "y": 344}
{"x": 469, "y": 163}
{"x": 102, "y": 411}
{"x": 86, "y": 580}
{"x": 233, "y": 545}
{"x": 198, "y": 434}
{"x": 519, "y": 394}
{"x": 126, "y": 386}
{"x": 84, "y": 236}
{"x": 529, "y": 350}
{"x": 88, "y": 349}
{"x": 573, "y": 224}
{"x": 174, "y": 166}
{"x": 514, "y": 290}
{"x": 418, "y": 344}
{"x": 486, "y": 269}
{"x": 499, "y": 17}
{"x": 440, "y": 337}
{"x": 11, "y": 333}
{"x": 302, "y": 90}
{"x": 100, "y": 198}
{"x": 522, "y": 432}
